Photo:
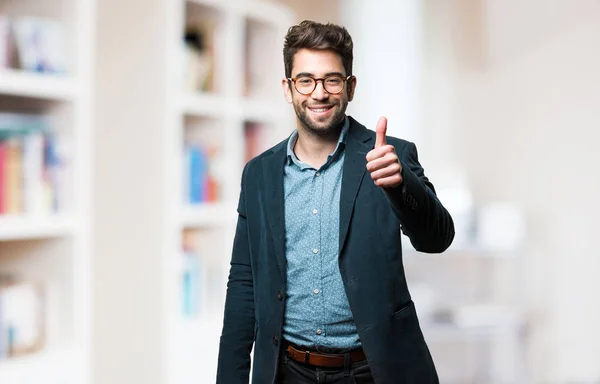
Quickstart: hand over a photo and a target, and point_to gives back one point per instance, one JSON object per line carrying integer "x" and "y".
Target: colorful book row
{"x": 200, "y": 183}
{"x": 30, "y": 166}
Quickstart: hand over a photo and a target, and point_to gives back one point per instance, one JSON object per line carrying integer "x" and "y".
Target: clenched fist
{"x": 382, "y": 161}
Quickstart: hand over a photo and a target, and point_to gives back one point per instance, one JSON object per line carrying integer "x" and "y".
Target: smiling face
{"x": 319, "y": 113}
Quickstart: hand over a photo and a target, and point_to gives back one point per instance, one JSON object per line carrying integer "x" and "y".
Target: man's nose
{"x": 320, "y": 93}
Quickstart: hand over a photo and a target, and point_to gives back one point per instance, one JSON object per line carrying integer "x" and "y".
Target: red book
{"x": 212, "y": 189}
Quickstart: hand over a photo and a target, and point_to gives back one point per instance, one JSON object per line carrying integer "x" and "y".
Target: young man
{"x": 317, "y": 282}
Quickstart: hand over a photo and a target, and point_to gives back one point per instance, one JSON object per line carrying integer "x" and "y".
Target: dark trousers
{"x": 293, "y": 372}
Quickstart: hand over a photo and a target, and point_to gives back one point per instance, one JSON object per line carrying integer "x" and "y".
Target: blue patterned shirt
{"x": 317, "y": 312}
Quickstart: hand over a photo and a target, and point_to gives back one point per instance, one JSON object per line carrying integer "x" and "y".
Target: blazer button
{"x": 275, "y": 340}
{"x": 280, "y": 295}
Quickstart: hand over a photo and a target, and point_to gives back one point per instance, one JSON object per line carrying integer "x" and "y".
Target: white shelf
{"x": 207, "y": 214}
{"x": 212, "y": 105}
{"x": 37, "y": 85}
{"x": 263, "y": 110}
{"x": 24, "y": 227}
{"x": 203, "y": 104}
{"x": 48, "y": 367}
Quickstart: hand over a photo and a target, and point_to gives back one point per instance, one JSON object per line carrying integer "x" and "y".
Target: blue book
{"x": 191, "y": 284}
{"x": 51, "y": 165}
{"x": 198, "y": 172}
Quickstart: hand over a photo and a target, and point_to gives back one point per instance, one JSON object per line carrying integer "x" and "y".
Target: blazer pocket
{"x": 405, "y": 310}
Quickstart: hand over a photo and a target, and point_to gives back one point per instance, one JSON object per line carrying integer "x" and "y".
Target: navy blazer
{"x": 370, "y": 261}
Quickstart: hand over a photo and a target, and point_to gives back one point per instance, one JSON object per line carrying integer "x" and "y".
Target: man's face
{"x": 319, "y": 112}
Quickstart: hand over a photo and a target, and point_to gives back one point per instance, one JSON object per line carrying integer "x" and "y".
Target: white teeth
{"x": 319, "y": 109}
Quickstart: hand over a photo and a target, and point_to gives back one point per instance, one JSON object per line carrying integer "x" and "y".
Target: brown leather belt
{"x": 325, "y": 360}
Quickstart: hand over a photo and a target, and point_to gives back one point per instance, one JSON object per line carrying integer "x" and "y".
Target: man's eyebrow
{"x": 334, "y": 74}
{"x": 303, "y": 74}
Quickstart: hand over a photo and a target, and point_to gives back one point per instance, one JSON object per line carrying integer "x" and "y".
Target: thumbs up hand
{"x": 382, "y": 161}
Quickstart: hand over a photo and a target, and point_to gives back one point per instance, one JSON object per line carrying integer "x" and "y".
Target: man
{"x": 317, "y": 282}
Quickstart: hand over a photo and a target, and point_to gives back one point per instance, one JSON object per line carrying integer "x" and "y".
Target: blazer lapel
{"x": 273, "y": 176}
{"x": 355, "y": 165}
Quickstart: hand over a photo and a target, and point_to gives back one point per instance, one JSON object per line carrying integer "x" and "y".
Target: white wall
{"x": 525, "y": 118}
{"x": 509, "y": 91}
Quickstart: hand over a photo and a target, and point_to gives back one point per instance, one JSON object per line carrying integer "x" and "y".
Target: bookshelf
{"x": 237, "y": 115}
{"x": 173, "y": 96}
{"x": 45, "y": 252}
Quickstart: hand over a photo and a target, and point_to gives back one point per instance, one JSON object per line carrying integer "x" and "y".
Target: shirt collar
{"x": 341, "y": 143}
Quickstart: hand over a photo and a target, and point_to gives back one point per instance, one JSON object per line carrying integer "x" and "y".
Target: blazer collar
{"x": 272, "y": 166}
{"x": 359, "y": 143}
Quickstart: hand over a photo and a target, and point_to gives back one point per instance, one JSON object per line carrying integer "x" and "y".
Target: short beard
{"x": 331, "y": 131}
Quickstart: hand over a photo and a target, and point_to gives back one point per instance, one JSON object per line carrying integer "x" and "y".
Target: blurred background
{"x": 125, "y": 124}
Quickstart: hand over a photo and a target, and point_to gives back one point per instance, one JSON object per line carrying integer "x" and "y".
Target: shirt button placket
{"x": 317, "y": 196}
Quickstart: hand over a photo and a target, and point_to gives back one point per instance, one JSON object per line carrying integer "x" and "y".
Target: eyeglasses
{"x": 306, "y": 85}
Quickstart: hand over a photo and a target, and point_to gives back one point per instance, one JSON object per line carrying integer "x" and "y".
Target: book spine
{"x": 13, "y": 176}
{"x": 33, "y": 169}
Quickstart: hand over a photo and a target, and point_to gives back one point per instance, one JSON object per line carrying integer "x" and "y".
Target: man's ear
{"x": 351, "y": 87}
{"x": 287, "y": 92}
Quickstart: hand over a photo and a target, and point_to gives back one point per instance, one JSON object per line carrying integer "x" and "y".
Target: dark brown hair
{"x": 312, "y": 35}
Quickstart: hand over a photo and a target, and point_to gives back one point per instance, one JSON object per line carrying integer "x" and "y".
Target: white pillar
{"x": 387, "y": 51}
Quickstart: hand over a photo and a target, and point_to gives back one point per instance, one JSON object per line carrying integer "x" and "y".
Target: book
{"x": 21, "y": 318}
{"x": 30, "y": 165}
{"x": 199, "y": 57}
{"x": 197, "y": 166}
{"x": 12, "y": 176}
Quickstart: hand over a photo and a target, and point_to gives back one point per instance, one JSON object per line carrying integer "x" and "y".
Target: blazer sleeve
{"x": 237, "y": 335}
{"x": 424, "y": 219}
